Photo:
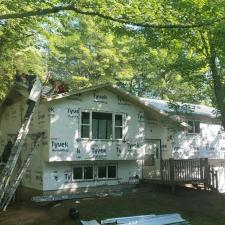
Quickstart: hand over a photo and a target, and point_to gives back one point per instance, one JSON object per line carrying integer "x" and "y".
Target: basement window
{"x": 111, "y": 171}
{"x": 194, "y": 127}
{"x": 78, "y": 173}
{"x": 107, "y": 172}
{"x": 102, "y": 172}
{"x": 83, "y": 173}
{"x": 88, "y": 173}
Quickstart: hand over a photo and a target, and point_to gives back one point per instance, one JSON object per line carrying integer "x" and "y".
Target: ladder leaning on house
{"x": 11, "y": 189}
{"x": 7, "y": 190}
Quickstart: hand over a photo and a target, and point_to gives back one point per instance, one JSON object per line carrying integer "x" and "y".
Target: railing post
{"x": 202, "y": 165}
{"x": 212, "y": 177}
{"x": 207, "y": 172}
{"x": 161, "y": 169}
{"x": 171, "y": 162}
{"x": 217, "y": 185}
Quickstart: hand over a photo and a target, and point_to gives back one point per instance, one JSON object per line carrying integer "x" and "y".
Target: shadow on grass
{"x": 198, "y": 207}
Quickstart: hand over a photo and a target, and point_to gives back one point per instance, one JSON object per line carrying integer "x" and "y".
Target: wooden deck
{"x": 185, "y": 171}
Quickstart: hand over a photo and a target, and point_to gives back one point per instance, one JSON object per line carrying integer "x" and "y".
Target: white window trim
{"x": 90, "y": 125}
{"x": 114, "y": 125}
{"x": 90, "y": 131}
{"x": 95, "y": 172}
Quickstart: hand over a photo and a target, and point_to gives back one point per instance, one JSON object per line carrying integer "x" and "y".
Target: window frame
{"x": 95, "y": 172}
{"x": 116, "y": 177}
{"x": 107, "y": 172}
{"x": 91, "y": 123}
{"x": 111, "y": 133}
{"x": 193, "y": 126}
{"x": 73, "y": 173}
{"x": 82, "y": 179}
{"x": 115, "y": 126}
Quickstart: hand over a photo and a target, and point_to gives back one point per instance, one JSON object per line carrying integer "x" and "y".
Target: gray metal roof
{"x": 183, "y": 108}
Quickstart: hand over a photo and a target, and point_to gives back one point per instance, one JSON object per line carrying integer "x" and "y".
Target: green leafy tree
{"x": 181, "y": 44}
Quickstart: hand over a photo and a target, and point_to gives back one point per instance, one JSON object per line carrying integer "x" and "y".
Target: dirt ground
{"x": 198, "y": 207}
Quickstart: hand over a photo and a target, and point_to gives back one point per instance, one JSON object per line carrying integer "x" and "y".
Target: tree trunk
{"x": 217, "y": 82}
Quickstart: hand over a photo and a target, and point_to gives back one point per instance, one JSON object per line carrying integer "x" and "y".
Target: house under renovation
{"x": 102, "y": 136}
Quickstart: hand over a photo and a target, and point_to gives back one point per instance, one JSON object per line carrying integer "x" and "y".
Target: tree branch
{"x": 205, "y": 45}
{"x": 56, "y": 9}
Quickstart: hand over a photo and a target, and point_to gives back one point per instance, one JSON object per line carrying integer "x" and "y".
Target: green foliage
{"x": 18, "y": 49}
{"x": 141, "y": 52}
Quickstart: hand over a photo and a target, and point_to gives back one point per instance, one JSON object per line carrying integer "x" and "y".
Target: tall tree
{"x": 187, "y": 37}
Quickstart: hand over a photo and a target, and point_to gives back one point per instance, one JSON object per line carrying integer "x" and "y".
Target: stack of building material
{"x": 152, "y": 219}
{"x": 165, "y": 219}
{"x": 129, "y": 219}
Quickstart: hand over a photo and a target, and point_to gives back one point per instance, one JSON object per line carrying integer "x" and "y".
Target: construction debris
{"x": 61, "y": 197}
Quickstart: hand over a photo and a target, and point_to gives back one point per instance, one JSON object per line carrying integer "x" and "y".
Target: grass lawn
{"x": 198, "y": 207}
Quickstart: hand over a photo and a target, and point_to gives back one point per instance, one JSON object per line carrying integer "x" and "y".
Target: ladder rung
{"x": 12, "y": 187}
{"x": 6, "y": 189}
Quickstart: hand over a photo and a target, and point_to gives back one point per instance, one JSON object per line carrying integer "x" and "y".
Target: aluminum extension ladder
{"x": 8, "y": 170}
{"x": 11, "y": 189}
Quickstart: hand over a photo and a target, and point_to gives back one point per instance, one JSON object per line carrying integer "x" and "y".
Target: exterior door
{"x": 152, "y": 159}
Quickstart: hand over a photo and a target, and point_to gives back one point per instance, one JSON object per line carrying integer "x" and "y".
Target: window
{"x": 83, "y": 173}
{"x": 88, "y": 172}
{"x": 118, "y": 126}
{"x": 197, "y": 126}
{"x": 102, "y": 170}
{"x": 194, "y": 127}
{"x": 100, "y": 125}
{"x": 85, "y": 124}
{"x": 78, "y": 173}
{"x": 107, "y": 172}
{"x": 111, "y": 171}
